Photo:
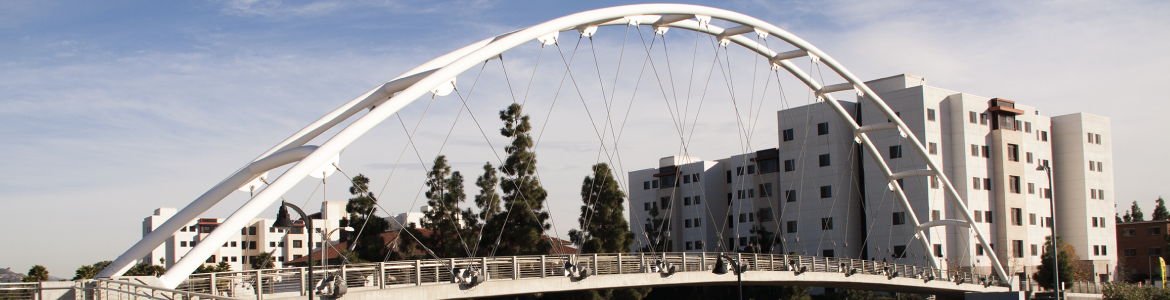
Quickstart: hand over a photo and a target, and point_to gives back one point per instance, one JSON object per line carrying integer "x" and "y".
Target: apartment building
{"x": 827, "y": 196}
{"x": 1140, "y": 245}
{"x": 257, "y": 237}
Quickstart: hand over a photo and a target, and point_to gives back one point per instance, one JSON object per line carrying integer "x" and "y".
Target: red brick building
{"x": 1140, "y": 245}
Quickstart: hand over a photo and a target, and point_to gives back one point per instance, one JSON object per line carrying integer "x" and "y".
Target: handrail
{"x": 158, "y": 289}
{"x": 387, "y": 275}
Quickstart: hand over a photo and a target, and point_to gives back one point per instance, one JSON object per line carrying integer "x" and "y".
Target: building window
{"x": 1018, "y": 248}
{"x": 182, "y": 243}
{"x": 271, "y": 229}
{"x": 669, "y": 181}
{"x": 1101, "y": 194}
{"x": 1090, "y": 137}
{"x": 1013, "y": 152}
{"x": 766, "y": 214}
{"x": 1031, "y": 188}
{"x": 272, "y": 244}
{"x": 654, "y": 184}
{"x": 1028, "y": 127}
{"x": 751, "y": 169}
{"x": 978, "y": 216}
{"x": 698, "y": 200}
{"x": 1097, "y": 138}
{"x": 790, "y": 196}
{"x": 1031, "y": 219}
{"x": 826, "y": 223}
{"x": 986, "y": 151}
{"x": 933, "y": 148}
{"x": 987, "y": 184}
{"x": 987, "y": 216}
{"x": 827, "y": 191}
{"x": 1128, "y": 232}
{"x": 1092, "y": 166}
{"x": 1034, "y": 249}
{"x": 1017, "y": 217}
{"x": 930, "y": 114}
{"x": 1154, "y": 231}
{"x": 1104, "y": 250}
{"x": 1029, "y": 157}
{"x": 1092, "y": 193}
{"x": 695, "y": 177}
{"x": 895, "y": 151}
{"x": 934, "y": 182}
{"x": 788, "y": 135}
{"x": 689, "y": 246}
{"x": 1130, "y": 252}
{"x": 935, "y": 215}
{"x": 686, "y": 179}
{"x": 698, "y": 245}
{"x": 698, "y": 222}
{"x": 824, "y": 160}
{"x": 1100, "y": 167}
{"x": 252, "y": 230}
{"x": 899, "y": 251}
{"x": 1043, "y": 136}
{"x": 665, "y": 202}
{"x": 973, "y": 116}
{"x": 899, "y": 218}
{"x": 646, "y": 185}
{"x": 791, "y": 225}
{"x": 687, "y": 224}
{"x": 1014, "y": 184}
{"x": 974, "y": 150}
{"x": 646, "y": 206}
{"x": 822, "y": 128}
{"x": 938, "y": 250}
{"x": 766, "y": 190}
{"x": 728, "y": 199}
{"x": 730, "y": 221}
{"x": 979, "y": 250}
{"x": 790, "y": 165}
{"x": 1155, "y": 251}
{"x": 686, "y": 201}
{"x": 975, "y": 182}
{"x": 1094, "y": 221}
{"x": 234, "y": 244}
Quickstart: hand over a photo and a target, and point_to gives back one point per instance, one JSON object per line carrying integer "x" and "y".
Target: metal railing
{"x": 382, "y": 275}
{"x": 20, "y": 291}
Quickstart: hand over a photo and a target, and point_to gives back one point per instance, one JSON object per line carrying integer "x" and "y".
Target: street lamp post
{"x": 721, "y": 268}
{"x": 1052, "y": 224}
{"x": 284, "y": 222}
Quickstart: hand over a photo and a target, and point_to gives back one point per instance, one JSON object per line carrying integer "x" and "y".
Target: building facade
{"x": 257, "y": 237}
{"x": 819, "y": 193}
{"x": 1140, "y": 244}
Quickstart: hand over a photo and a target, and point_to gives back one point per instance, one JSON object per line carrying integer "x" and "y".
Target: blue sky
{"x": 111, "y": 109}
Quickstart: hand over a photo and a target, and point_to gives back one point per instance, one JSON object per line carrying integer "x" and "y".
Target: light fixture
{"x": 283, "y": 221}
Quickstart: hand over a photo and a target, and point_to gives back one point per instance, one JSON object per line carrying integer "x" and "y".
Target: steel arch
{"x": 395, "y": 94}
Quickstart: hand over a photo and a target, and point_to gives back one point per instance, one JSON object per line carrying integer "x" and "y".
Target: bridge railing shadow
{"x": 393, "y": 274}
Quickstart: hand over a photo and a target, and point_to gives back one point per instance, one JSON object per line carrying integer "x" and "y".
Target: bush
{"x": 1129, "y": 291}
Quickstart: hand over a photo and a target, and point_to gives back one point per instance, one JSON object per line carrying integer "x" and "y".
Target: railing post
{"x": 213, "y": 289}
{"x": 684, "y": 262}
{"x": 484, "y": 268}
{"x": 619, "y": 263}
{"x": 259, "y": 286}
{"x": 417, "y": 272}
{"x": 542, "y": 264}
{"x": 595, "y": 266}
{"x": 342, "y": 275}
{"x": 756, "y": 261}
{"x": 515, "y": 268}
{"x": 382, "y": 275}
{"x": 703, "y": 261}
{"x": 304, "y": 281}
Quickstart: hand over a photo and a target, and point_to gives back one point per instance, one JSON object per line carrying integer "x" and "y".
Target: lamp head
{"x": 283, "y": 221}
{"x": 1040, "y": 168}
{"x": 720, "y": 267}
{"x": 347, "y": 228}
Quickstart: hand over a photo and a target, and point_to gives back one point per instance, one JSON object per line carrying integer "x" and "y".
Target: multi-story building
{"x": 1140, "y": 245}
{"x": 257, "y": 237}
{"x": 820, "y": 193}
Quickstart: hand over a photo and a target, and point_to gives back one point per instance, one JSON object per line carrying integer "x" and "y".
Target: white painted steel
{"x": 421, "y": 80}
{"x": 936, "y": 223}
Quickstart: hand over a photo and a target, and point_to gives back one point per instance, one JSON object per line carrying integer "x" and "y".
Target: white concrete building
{"x": 259, "y": 236}
{"x": 823, "y": 195}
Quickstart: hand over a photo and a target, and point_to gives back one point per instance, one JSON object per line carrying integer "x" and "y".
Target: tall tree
{"x": 1136, "y": 213}
{"x": 1043, "y": 275}
{"x": 1127, "y": 218}
{"x": 1160, "y": 213}
{"x": 37, "y": 273}
{"x": 1118, "y": 216}
{"x": 447, "y": 238}
{"x": 262, "y": 261}
{"x": 655, "y": 232}
{"x": 367, "y": 239}
{"x": 603, "y": 221}
{"x": 518, "y": 228}
{"x": 89, "y": 271}
{"x": 487, "y": 200}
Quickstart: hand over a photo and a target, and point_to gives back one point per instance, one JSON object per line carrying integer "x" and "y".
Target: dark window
{"x": 766, "y": 214}
{"x": 790, "y": 165}
{"x": 646, "y": 206}
{"x": 1018, "y": 248}
{"x": 730, "y": 222}
{"x": 827, "y": 191}
{"x": 938, "y": 250}
{"x": 654, "y": 184}
{"x": 252, "y": 230}
{"x": 297, "y": 230}
{"x": 751, "y": 169}
{"x": 1034, "y": 249}
{"x": 986, "y": 151}
{"x": 211, "y": 259}
{"x": 1013, "y": 152}
{"x": 1031, "y": 219}
{"x": 766, "y": 190}
{"x": 978, "y": 216}
{"x": 988, "y": 216}
{"x": 899, "y": 218}
{"x": 1029, "y": 157}
{"x": 982, "y": 119}
{"x": 728, "y": 176}
{"x": 791, "y": 226}
{"x": 975, "y": 181}
{"x": 1017, "y": 216}
{"x": 934, "y": 182}
{"x": 930, "y": 114}
{"x": 788, "y": 135}
{"x": 934, "y": 148}
{"x": 251, "y": 245}
{"x": 1154, "y": 231}
{"x": 899, "y": 251}
{"x": 271, "y": 244}
{"x": 896, "y": 151}
{"x": 687, "y": 224}
{"x": 974, "y": 150}
{"x": 827, "y": 253}
{"x": 1129, "y": 252}
{"x": 826, "y": 223}
{"x": 298, "y": 244}
{"x": 182, "y": 243}
{"x": 822, "y": 128}
{"x": 695, "y": 177}
{"x": 686, "y": 179}
{"x": 739, "y": 171}
{"x": 728, "y": 199}
{"x": 698, "y": 200}
{"x": 1028, "y": 127}
{"x": 668, "y": 181}
{"x": 790, "y": 195}
{"x": 1155, "y": 251}
{"x": 665, "y": 202}
{"x": 973, "y": 117}
{"x": 687, "y": 202}
{"x": 987, "y": 184}
{"x": 768, "y": 166}
{"x": 824, "y": 159}
{"x": 935, "y": 215}
{"x": 1014, "y": 184}
{"x": 646, "y": 185}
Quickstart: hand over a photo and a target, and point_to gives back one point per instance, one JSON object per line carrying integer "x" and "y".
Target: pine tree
{"x": 487, "y": 200}
{"x": 603, "y": 220}
{"x": 1160, "y": 213}
{"x": 656, "y": 233}
{"x": 1043, "y": 275}
{"x": 366, "y": 239}
{"x": 1137, "y": 214}
{"x": 447, "y": 238}
{"x": 1127, "y": 218}
{"x": 519, "y": 227}
{"x": 1118, "y": 216}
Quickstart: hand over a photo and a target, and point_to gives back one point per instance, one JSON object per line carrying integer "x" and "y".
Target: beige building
{"x": 819, "y": 193}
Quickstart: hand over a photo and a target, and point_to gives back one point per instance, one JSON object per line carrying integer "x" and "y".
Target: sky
{"x": 111, "y": 109}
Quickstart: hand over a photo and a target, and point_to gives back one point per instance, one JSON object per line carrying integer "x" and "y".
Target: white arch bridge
{"x": 437, "y": 77}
